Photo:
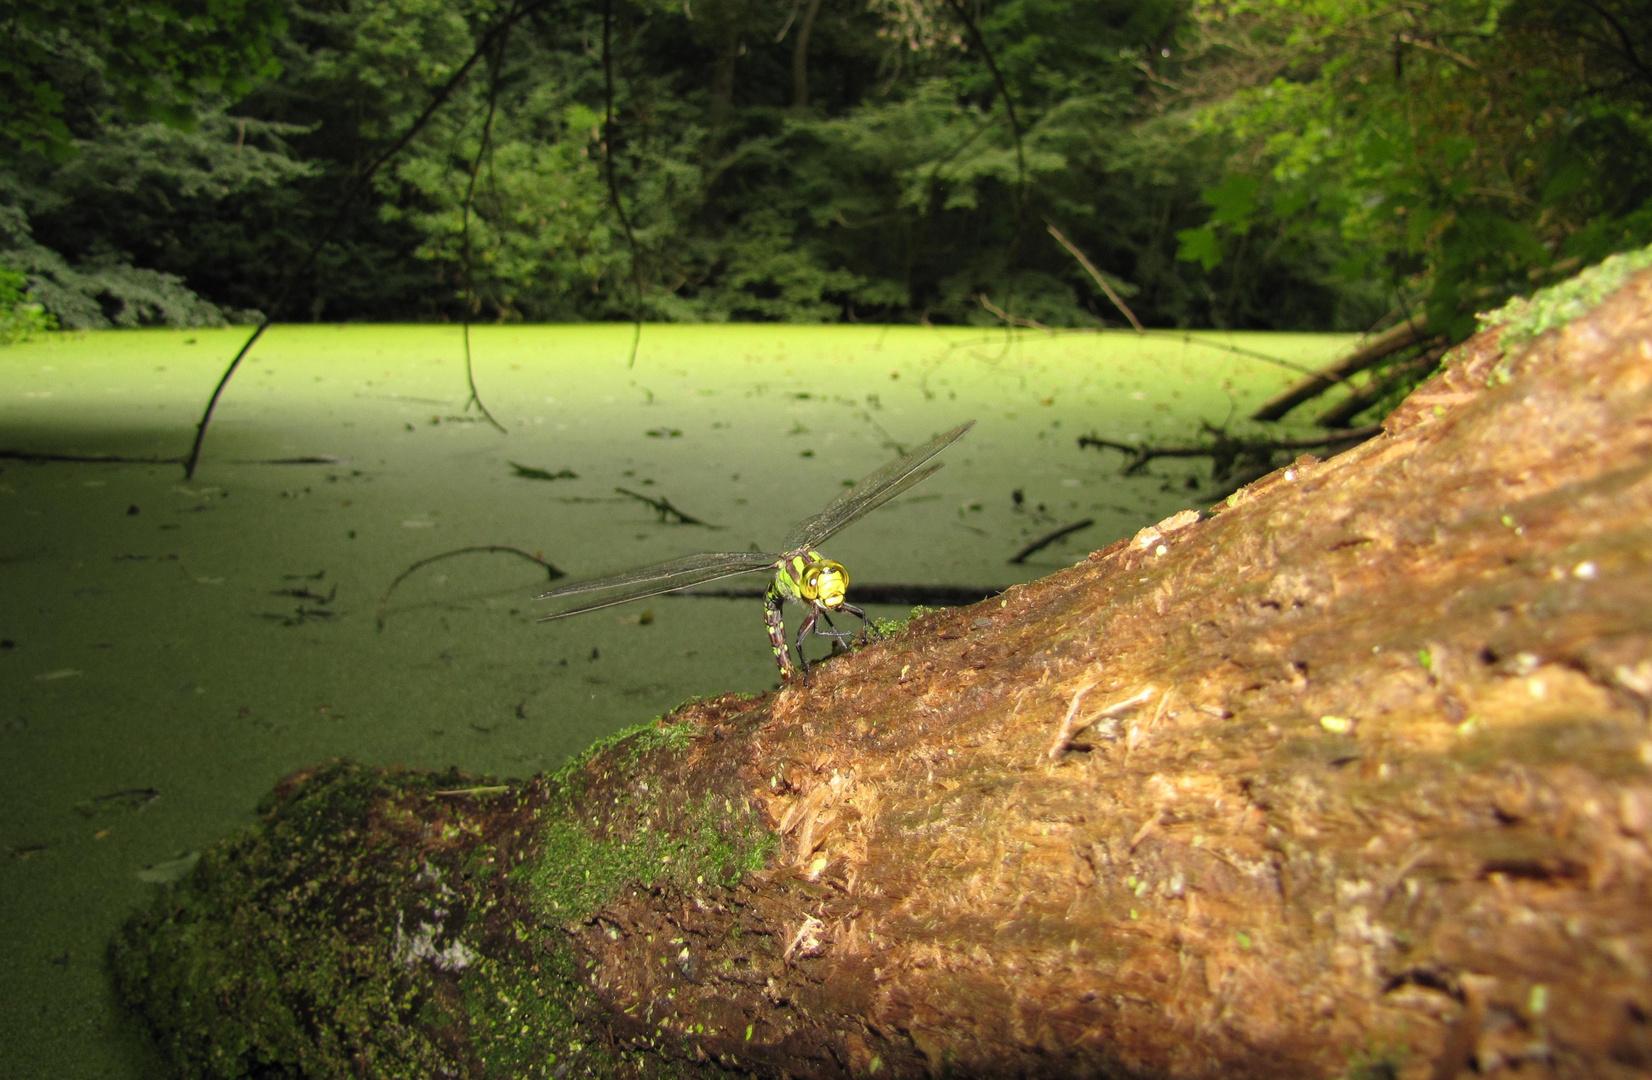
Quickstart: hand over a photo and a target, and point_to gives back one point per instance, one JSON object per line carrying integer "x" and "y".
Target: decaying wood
{"x": 1390, "y": 808}
{"x": 1352, "y": 777}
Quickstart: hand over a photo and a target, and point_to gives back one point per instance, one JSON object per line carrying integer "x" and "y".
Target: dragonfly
{"x": 802, "y": 575}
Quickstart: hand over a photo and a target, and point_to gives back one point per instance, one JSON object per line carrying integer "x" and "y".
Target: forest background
{"x": 1241, "y": 164}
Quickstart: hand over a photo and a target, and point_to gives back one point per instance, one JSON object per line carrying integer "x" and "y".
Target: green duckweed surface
{"x": 170, "y": 649}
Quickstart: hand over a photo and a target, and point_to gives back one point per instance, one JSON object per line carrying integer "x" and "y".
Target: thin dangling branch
{"x": 295, "y": 272}
{"x": 1015, "y": 130}
{"x": 1095, "y": 275}
{"x": 608, "y": 131}
{"x": 1003, "y": 91}
{"x": 471, "y": 303}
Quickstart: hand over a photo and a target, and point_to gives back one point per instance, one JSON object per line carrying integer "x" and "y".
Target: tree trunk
{"x": 800, "y": 57}
{"x": 1351, "y": 778}
{"x": 725, "y": 35}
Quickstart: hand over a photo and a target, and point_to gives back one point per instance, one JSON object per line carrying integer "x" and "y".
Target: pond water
{"x": 170, "y": 648}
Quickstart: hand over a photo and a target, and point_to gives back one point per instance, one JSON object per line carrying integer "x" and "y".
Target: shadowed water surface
{"x": 169, "y": 649}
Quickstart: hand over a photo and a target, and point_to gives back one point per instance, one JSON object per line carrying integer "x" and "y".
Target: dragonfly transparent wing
{"x": 652, "y": 580}
{"x": 873, "y": 491}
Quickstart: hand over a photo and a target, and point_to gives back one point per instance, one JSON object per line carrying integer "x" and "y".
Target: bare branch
{"x": 1014, "y": 320}
{"x": 1367, "y": 355}
{"x": 1096, "y": 274}
{"x": 1224, "y": 449}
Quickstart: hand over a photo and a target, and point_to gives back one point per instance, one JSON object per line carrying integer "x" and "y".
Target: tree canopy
{"x": 1265, "y": 164}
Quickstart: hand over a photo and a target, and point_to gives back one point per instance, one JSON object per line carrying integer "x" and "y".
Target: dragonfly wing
{"x": 824, "y": 529}
{"x": 663, "y": 577}
{"x": 873, "y": 492}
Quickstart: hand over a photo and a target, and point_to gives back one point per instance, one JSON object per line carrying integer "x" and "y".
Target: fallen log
{"x": 1350, "y": 778}
{"x": 1370, "y": 353}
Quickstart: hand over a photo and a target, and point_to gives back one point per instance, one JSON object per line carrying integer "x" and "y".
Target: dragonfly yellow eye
{"x": 827, "y": 582}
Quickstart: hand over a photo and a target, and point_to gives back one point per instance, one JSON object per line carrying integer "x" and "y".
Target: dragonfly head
{"x": 824, "y": 582}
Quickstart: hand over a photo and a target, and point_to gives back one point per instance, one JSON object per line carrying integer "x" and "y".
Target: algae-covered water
{"x": 169, "y": 649}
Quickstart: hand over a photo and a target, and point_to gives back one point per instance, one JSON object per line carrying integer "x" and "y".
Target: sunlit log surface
{"x": 1352, "y": 777}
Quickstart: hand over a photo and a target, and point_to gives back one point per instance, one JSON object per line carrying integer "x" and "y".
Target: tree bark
{"x": 1351, "y": 778}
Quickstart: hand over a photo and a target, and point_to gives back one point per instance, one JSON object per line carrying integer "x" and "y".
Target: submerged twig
{"x": 1225, "y": 449}
{"x": 529, "y": 472}
{"x": 308, "y": 594}
{"x": 1013, "y": 320}
{"x": 894, "y": 594}
{"x": 384, "y": 600}
{"x": 125, "y": 799}
{"x": 86, "y": 459}
{"x": 664, "y": 508}
{"x": 1049, "y": 538}
{"x": 299, "y": 617}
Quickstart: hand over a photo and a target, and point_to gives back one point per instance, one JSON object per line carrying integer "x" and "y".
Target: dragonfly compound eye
{"x": 828, "y": 582}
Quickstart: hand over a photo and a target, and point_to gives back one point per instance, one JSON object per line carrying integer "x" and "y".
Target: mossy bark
{"x": 1351, "y": 778}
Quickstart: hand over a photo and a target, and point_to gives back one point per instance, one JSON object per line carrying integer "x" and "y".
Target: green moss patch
{"x": 1524, "y": 318}
{"x": 394, "y": 924}
{"x": 365, "y": 927}
{"x": 615, "y": 822}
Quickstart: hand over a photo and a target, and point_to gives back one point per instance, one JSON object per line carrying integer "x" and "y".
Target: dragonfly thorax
{"x": 814, "y": 579}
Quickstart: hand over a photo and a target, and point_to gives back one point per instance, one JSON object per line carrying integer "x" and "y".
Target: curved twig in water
{"x": 384, "y": 601}
{"x": 1049, "y": 538}
{"x": 664, "y": 508}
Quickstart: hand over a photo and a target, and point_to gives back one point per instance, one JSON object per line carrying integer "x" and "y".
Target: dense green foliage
{"x": 1459, "y": 152}
{"x": 1239, "y": 163}
{"x": 21, "y": 316}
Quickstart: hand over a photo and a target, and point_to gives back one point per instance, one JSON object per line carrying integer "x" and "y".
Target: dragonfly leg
{"x": 842, "y": 636}
{"x": 803, "y": 632}
{"x": 775, "y": 621}
{"x": 834, "y": 633}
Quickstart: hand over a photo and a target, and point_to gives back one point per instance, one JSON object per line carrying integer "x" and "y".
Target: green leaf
{"x": 1201, "y": 246}
{"x": 1234, "y": 202}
